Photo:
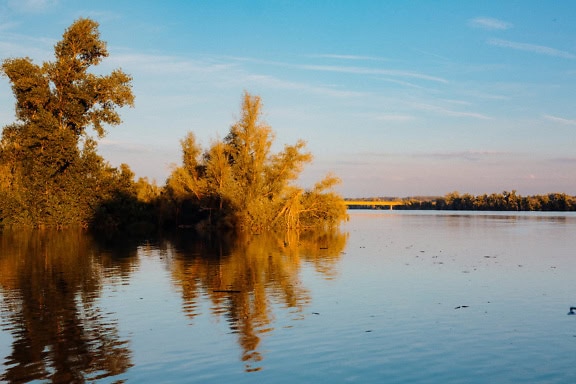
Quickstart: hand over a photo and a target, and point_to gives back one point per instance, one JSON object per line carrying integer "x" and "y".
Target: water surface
{"x": 419, "y": 297}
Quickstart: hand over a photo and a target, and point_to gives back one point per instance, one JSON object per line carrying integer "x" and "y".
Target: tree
{"x": 242, "y": 184}
{"x": 51, "y": 171}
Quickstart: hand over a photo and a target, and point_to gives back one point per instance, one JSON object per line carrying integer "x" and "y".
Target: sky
{"x": 397, "y": 98}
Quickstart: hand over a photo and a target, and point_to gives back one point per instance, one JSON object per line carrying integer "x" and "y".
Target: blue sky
{"x": 397, "y": 98}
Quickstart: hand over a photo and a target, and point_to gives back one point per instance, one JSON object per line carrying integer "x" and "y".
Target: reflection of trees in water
{"x": 243, "y": 278}
{"x": 50, "y": 282}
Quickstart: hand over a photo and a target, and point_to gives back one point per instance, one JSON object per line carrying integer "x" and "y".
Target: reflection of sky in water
{"x": 413, "y": 298}
{"x": 160, "y": 333}
{"x": 449, "y": 299}
{"x": 458, "y": 295}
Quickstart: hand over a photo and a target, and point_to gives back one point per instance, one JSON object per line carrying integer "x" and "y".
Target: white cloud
{"x": 540, "y": 49}
{"x": 346, "y": 69}
{"x": 394, "y": 118}
{"x": 449, "y": 112}
{"x": 166, "y": 64}
{"x": 276, "y": 83}
{"x": 218, "y": 70}
{"x": 565, "y": 160}
{"x": 31, "y": 5}
{"x": 22, "y": 46}
{"x": 489, "y": 23}
{"x": 560, "y": 120}
{"x": 472, "y": 155}
{"x": 7, "y": 25}
{"x": 370, "y": 71}
{"x": 401, "y": 82}
{"x": 123, "y": 147}
{"x": 349, "y": 57}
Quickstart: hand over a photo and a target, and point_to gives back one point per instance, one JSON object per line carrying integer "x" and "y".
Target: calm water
{"x": 394, "y": 297}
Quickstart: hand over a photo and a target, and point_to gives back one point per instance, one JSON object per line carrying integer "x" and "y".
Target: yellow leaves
{"x": 251, "y": 185}
{"x": 146, "y": 191}
{"x": 65, "y": 89}
{"x": 190, "y": 152}
{"x": 219, "y": 174}
{"x": 185, "y": 185}
{"x": 81, "y": 42}
{"x": 328, "y": 182}
{"x": 29, "y": 84}
{"x": 115, "y": 88}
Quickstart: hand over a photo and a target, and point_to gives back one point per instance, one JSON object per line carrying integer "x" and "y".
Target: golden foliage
{"x": 249, "y": 187}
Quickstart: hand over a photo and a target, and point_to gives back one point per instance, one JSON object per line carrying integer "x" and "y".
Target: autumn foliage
{"x": 50, "y": 172}
{"x": 52, "y": 175}
{"x": 238, "y": 182}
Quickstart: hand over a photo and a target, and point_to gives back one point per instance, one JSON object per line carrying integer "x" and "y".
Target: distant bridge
{"x": 372, "y": 203}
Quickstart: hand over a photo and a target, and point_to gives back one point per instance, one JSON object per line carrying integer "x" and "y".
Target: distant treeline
{"x": 505, "y": 201}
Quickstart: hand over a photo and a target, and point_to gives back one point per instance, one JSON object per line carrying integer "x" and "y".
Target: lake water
{"x": 394, "y": 297}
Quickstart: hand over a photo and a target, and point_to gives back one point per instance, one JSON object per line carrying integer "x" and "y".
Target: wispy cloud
{"x": 489, "y": 23}
{"x": 401, "y": 82}
{"x": 167, "y": 64}
{"x": 31, "y": 6}
{"x": 349, "y": 57}
{"x": 23, "y": 46}
{"x": 124, "y": 147}
{"x": 394, "y": 118}
{"x": 564, "y": 160}
{"x": 560, "y": 120}
{"x": 7, "y": 25}
{"x": 372, "y": 71}
{"x": 449, "y": 112}
{"x": 342, "y": 69}
{"x": 540, "y": 49}
{"x": 219, "y": 70}
{"x": 471, "y": 155}
{"x": 274, "y": 82}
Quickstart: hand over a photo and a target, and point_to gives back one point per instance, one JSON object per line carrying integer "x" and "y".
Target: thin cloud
{"x": 489, "y": 23}
{"x": 123, "y": 147}
{"x": 219, "y": 70}
{"x": 370, "y": 71}
{"x": 564, "y": 160}
{"x": 349, "y": 57}
{"x": 560, "y": 120}
{"x": 540, "y": 49}
{"x": 343, "y": 69}
{"x": 400, "y": 82}
{"x": 167, "y": 64}
{"x": 448, "y": 155}
{"x": 23, "y": 46}
{"x": 31, "y": 6}
{"x": 5, "y": 26}
{"x": 462, "y": 155}
{"x": 394, "y": 118}
{"x": 273, "y": 82}
{"x": 450, "y": 112}
{"x": 487, "y": 96}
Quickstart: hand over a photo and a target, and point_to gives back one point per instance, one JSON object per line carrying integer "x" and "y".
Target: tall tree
{"x": 243, "y": 184}
{"x": 44, "y": 155}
